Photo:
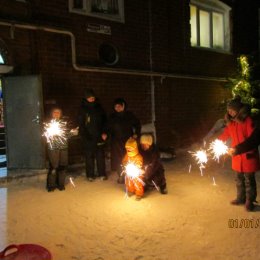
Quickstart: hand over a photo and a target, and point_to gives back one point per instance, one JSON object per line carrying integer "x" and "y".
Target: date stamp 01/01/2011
{"x": 244, "y": 223}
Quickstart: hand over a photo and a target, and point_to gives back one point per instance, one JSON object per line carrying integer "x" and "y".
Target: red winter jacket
{"x": 239, "y": 131}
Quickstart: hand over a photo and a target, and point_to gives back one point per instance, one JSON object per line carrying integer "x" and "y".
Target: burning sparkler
{"x": 156, "y": 187}
{"x": 133, "y": 171}
{"x": 218, "y": 148}
{"x": 55, "y": 130}
{"x": 201, "y": 158}
{"x": 72, "y": 182}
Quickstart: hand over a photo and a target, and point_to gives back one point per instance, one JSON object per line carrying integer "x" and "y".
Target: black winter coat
{"x": 250, "y": 143}
{"x": 123, "y": 125}
{"x": 92, "y": 121}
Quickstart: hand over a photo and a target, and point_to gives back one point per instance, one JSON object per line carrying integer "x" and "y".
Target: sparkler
{"x": 156, "y": 187}
{"x": 72, "y": 182}
{"x": 201, "y": 158}
{"x": 132, "y": 171}
{"x": 218, "y": 148}
{"x": 55, "y": 130}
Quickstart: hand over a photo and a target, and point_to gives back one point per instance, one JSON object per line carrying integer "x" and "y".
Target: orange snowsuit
{"x": 133, "y": 185}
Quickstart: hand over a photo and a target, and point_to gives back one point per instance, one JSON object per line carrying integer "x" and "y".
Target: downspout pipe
{"x": 153, "y": 112}
{"x": 98, "y": 69}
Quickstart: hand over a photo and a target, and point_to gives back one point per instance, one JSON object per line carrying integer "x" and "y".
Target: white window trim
{"x": 217, "y": 6}
{"x": 86, "y": 10}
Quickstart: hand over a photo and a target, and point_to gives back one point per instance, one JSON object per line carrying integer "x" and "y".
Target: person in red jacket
{"x": 239, "y": 127}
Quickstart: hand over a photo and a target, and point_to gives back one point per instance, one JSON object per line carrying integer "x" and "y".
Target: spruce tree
{"x": 245, "y": 86}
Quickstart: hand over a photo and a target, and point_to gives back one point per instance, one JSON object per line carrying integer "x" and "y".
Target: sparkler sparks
{"x": 214, "y": 182}
{"x": 55, "y": 130}
{"x": 132, "y": 171}
{"x": 218, "y": 148}
{"x": 72, "y": 182}
{"x": 201, "y": 158}
{"x": 156, "y": 187}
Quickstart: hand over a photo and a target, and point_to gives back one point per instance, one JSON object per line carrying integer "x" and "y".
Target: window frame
{"x": 86, "y": 10}
{"x": 2, "y": 60}
{"x": 212, "y": 6}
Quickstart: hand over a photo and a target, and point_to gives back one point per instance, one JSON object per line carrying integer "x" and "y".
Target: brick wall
{"x": 185, "y": 108}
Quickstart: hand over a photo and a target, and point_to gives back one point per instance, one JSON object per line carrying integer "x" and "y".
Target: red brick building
{"x": 169, "y": 59}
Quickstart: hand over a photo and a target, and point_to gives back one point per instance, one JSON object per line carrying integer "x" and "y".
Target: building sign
{"x": 99, "y": 28}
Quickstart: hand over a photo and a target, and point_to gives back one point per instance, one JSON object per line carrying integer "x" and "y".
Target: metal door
{"x": 23, "y": 113}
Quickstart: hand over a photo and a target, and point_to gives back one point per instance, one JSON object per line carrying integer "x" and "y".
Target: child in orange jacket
{"x": 133, "y": 163}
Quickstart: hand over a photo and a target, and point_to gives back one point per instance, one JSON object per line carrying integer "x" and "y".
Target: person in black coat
{"x": 122, "y": 124}
{"x": 154, "y": 170}
{"x": 250, "y": 143}
{"x": 92, "y": 121}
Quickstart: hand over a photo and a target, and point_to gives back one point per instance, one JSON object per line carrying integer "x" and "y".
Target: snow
{"x": 95, "y": 221}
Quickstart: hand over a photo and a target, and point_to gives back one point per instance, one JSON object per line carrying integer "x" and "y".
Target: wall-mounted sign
{"x": 99, "y": 28}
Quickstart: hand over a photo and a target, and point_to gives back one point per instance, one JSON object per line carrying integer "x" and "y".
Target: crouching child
{"x": 133, "y": 163}
{"x": 57, "y": 136}
{"x": 154, "y": 171}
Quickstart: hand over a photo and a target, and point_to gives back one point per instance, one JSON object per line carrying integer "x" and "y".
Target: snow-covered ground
{"x": 193, "y": 221}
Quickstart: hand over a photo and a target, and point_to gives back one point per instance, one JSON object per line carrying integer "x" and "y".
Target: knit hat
{"x": 131, "y": 147}
{"x": 119, "y": 101}
{"x": 89, "y": 92}
{"x": 235, "y": 104}
{"x": 146, "y": 139}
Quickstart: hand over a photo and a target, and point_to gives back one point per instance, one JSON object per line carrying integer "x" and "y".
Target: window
{"x": 1, "y": 59}
{"x": 209, "y": 23}
{"x": 105, "y": 9}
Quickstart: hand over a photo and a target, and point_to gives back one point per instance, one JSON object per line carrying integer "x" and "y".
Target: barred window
{"x": 105, "y": 9}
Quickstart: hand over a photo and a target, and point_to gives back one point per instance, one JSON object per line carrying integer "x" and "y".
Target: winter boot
{"x": 237, "y": 202}
{"x": 51, "y": 180}
{"x": 61, "y": 175}
{"x": 249, "y": 205}
{"x": 163, "y": 191}
{"x": 138, "y": 197}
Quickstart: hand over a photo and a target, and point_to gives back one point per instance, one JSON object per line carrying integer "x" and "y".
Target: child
{"x": 58, "y": 152}
{"x": 239, "y": 128}
{"x": 134, "y": 183}
{"x": 154, "y": 171}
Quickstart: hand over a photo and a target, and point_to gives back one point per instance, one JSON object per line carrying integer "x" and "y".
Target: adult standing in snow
{"x": 239, "y": 128}
{"x": 92, "y": 121}
{"x": 122, "y": 124}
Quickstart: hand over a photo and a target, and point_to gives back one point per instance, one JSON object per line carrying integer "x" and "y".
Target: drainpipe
{"x": 87, "y": 68}
{"x": 153, "y": 117}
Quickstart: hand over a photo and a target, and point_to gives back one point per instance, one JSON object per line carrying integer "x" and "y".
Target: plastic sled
{"x": 25, "y": 252}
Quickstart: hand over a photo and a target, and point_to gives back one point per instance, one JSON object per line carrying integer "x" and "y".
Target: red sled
{"x": 25, "y": 252}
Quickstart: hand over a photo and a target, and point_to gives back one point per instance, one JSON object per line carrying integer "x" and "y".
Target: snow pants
{"x": 135, "y": 186}
{"x": 58, "y": 163}
{"x": 246, "y": 186}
